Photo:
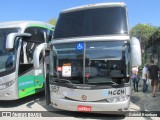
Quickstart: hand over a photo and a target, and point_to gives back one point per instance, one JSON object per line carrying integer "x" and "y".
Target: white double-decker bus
{"x": 91, "y": 57}
{"x": 18, "y": 40}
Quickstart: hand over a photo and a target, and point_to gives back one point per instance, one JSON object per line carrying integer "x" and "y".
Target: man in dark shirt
{"x": 153, "y": 73}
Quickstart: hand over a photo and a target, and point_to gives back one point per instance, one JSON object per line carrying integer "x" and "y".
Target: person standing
{"x": 135, "y": 78}
{"x": 145, "y": 77}
{"x": 153, "y": 71}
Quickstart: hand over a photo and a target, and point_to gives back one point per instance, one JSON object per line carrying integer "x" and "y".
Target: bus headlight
{"x": 6, "y": 85}
{"x": 117, "y": 99}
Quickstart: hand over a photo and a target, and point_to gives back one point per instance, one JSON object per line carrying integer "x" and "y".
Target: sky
{"x": 139, "y": 11}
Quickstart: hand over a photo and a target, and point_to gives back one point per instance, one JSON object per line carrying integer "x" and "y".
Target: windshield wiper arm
{"x": 57, "y": 74}
{"x": 68, "y": 82}
{"x": 104, "y": 82}
{"x": 114, "y": 82}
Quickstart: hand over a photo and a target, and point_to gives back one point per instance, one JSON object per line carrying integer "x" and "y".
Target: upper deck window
{"x": 91, "y": 22}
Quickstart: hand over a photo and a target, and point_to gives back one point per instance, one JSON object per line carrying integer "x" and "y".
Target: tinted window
{"x": 104, "y": 62}
{"x": 7, "y": 58}
{"x": 70, "y": 63}
{"x": 50, "y": 35}
{"x": 37, "y": 33}
{"x": 27, "y": 50}
{"x": 93, "y": 62}
{"x": 99, "y": 21}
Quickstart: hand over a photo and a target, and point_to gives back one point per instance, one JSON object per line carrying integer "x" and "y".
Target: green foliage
{"x": 53, "y": 21}
{"x": 143, "y": 32}
{"x": 156, "y": 36}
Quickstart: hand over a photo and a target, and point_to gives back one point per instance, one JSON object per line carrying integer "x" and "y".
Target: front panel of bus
{"x": 28, "y": 83}
{"x": 91, "y": 74}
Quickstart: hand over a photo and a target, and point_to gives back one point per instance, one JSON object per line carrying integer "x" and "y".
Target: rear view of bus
{"x": 18, "y": 40}
{"x": 91, "y": 57}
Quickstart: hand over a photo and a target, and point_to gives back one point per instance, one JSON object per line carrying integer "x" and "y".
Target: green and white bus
{"x": 17, "y": 78}
{"x": 91, "y": 57}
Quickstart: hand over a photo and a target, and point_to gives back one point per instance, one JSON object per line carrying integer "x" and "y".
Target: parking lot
{"x": 139, "y": 102}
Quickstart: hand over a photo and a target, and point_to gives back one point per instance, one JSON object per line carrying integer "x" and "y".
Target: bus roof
{"x": 98, "y": 5}
{"x": 25, "y": 24}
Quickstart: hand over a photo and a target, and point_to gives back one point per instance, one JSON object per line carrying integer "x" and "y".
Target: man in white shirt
{"x": 145, "y": 77}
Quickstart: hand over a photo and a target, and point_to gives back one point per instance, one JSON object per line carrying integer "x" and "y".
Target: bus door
{"x": 28, "y": 83}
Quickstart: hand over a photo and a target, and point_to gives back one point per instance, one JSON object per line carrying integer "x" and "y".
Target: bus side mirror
{"x": 136, "y": 57}
{"x": 37, "y": 52}
{"x": 12, "y": 36}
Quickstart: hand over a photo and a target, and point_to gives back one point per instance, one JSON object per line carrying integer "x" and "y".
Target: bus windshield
{"x": 7, "y": 59}
{"x": 94, "y": 63}
{"x": 92, "y": 22}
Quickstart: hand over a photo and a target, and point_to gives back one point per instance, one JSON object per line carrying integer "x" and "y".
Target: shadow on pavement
{"x": 135, "y": 99}
{"x": 14, "y": 103}
{"x": 145, "y": 101}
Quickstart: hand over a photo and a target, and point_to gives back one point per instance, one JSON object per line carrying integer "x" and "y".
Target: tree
{"x": 53, "y": 21}
{"x": 143, "y": 32}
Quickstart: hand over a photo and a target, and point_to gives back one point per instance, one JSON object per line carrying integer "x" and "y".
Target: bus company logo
{"x": 116, "y": 92}
{"x": 26, "y": 83}
{"x": 113, "y": 92}
{"x": 84, "y": 97}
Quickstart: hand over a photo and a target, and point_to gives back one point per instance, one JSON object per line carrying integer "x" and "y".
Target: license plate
{"x": 84, "y": 108}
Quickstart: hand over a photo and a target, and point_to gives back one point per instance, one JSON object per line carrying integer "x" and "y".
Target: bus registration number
{"x": 84, "y": 108}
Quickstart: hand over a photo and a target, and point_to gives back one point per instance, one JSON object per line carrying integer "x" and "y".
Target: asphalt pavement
{"x": 145, "y": 101}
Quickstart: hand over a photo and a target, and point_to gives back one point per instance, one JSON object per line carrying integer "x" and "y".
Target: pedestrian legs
{"x": 137, "y": 85}
{"x": 134, "y": 85}
{"x": 145, "y": 86}
{"x": 154, "y": 84}
{"x": 154, "y": 90}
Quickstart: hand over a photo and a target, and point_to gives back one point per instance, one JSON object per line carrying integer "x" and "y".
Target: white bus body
{"x": 18, "y": 41}
{"x": 91, "y": 57}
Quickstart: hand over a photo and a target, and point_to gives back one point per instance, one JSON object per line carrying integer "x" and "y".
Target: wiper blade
{"x": 75, "y": 86}
{"x": 59, "y": 80}
{"x": 68, "y": 82}
{"x": 103, "y": 82}
{"x": 114, "y": 82}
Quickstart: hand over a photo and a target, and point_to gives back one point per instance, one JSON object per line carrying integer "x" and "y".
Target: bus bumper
{"x": 102, "y": 107}
{"x": 10, "y": 93}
